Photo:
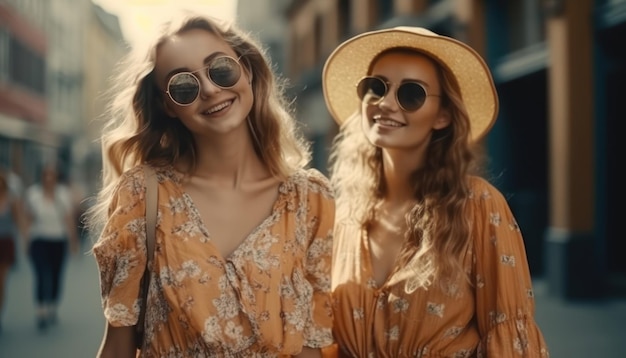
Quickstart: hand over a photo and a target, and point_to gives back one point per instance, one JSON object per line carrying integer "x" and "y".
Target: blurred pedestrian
{"x": 429, "y": 260}
{"x": 51, "y": 228}
{"x": 244, "y": 229}
{"x": 16, "y": 188}
{"x": 13, "y": 180}
{"x": 11, "y": 224}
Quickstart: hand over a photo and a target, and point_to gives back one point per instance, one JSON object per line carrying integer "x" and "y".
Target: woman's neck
{"x": 229, "y": 162}
{"x": 398, "y": 170}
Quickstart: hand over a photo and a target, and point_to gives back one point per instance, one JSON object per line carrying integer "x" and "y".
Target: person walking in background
{"x": 16, "y": 190}
{"x": 51, "y": 228}
{"x": 14, "y": 181}
{"x": 11, "y": 226}
{"x": 428, "y": 258}
{"x": 244, "y": 230}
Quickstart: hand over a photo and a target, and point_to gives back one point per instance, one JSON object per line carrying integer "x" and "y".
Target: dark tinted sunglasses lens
{"x": 184, "y": 88}
{"x": 224, "y": 71}
{"x": 411, "y": 96}
{"x": 371, "y": 89}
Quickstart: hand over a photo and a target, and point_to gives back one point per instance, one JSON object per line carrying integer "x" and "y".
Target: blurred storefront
{"x": 23, "y": 100}
{"x": 53, "y": 58}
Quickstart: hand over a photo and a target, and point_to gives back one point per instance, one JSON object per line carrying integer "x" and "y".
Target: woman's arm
{"x": 20, "y": 218}
{"x": 318, "y": 265}
{"x": 72, "y": 232}
{"x": 310, "y": 353}
{"x": 27, "y": 219}
{"x": 118, "y": 342}
{"x": 331, "y": 351}
{"x": 505, "y": 305}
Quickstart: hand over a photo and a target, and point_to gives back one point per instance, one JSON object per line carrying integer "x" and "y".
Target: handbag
{"x": 151, "y": 215}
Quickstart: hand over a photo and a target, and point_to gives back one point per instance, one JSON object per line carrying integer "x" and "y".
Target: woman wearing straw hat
{"x": 428, "y": 258}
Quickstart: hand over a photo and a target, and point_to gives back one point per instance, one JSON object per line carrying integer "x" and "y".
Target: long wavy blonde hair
{"x": 139, "y": 131}
{"x": 437, "y": 228}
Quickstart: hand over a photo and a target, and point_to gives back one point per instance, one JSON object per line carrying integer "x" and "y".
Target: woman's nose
{"x": 207, "y": 87}
{"x": 389, "y": 102}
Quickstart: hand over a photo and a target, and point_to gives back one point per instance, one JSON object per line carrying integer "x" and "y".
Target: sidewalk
{"x": 81, "y": 324}
{"x": 581, "y": 329}
{"x": 572, "y": 329}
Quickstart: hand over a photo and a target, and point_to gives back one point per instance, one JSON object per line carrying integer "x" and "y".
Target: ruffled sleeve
{"x": 321, "y": 206}
{"x": 121, "y": 251}
{"x": 505, "y": 304}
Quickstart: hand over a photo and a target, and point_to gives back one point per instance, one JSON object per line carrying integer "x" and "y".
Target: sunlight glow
{"x": 140, "y": 16}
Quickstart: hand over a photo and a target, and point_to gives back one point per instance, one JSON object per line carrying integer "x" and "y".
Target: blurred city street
{"x": 81, "y": 323}
{"x": 577, "y": 329}
{"x": 581, "y": 329}
{"x": 558, "y": 67}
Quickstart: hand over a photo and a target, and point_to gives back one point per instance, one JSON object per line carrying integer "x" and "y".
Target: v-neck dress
{"x": 490, "y": 315}
{"x": 269, "y": 298}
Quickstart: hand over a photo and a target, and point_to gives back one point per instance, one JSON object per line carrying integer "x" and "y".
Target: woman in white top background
{"x": 51, "y": 227}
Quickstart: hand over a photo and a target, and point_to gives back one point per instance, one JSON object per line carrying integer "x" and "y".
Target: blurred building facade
{"x": 558, "y": 66}
{"x": 53, "y": 55}
{"x": 23, "y": 100}
{"x": 104, "y": 47}
{"x": 269, "y": 22}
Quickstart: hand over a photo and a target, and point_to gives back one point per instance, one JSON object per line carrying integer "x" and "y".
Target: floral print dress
{"x": 269, "y": 298}
{"x": 491, "y": 316}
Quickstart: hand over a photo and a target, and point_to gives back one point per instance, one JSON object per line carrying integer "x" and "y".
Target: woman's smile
{"x": 219, "y": 108}
{"x": 386, "y": 122}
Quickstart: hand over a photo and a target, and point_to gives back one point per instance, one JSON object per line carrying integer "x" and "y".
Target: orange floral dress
{"x": 491, "y": 316}
{"x": 269, "y": 298}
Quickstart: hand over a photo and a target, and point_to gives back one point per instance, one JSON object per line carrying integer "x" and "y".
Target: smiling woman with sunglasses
{"x": 244, "y": 230}
{"x": 428, "y": 259}
{"x": 410, "y": 95}
{"x": 183, "y": 88}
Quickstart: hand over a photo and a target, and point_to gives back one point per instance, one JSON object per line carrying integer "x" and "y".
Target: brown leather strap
{"x": 151, "y": 211}
{"x": 151, "y": 216}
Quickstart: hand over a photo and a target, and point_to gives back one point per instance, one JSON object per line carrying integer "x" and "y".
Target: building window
{"x": 345, "y": 16}
{"x": 4, "y": 55}
{"x": 26, "y": 67}
{"x": 385, "y": 10}
{"x": 318, "y": 37}
{"x": 526, "y": 23}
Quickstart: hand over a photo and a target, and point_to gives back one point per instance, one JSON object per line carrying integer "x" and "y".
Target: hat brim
{"x": 350, "y": 61}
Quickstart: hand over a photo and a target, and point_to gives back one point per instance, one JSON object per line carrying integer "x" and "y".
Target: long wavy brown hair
{"x": 139, "y": 131}
{"x": 437, "y": 227}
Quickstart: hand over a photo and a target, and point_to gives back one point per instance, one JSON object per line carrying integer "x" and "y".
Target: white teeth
{"x": 387, "y": 122}
{"x": 218, "y": 107}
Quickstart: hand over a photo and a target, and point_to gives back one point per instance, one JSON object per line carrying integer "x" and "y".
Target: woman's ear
{"x": 443, "y": 119}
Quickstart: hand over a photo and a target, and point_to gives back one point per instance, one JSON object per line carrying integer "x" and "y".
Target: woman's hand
{"x": 118, "y": 342}
{"x": 310, "y": 353}
{"x": 72, "y": 233}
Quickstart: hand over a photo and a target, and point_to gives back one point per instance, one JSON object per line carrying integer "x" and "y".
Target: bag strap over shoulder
{"x": 151, "y": 210}
{"x": 151, "y": 217}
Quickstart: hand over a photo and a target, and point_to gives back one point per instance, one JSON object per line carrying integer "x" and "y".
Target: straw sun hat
{"x": 350, "y": 61}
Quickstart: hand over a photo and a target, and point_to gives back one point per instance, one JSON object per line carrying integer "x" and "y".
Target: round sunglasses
{"x": 411, "y": 95}
{"x": 183, "y": 88}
